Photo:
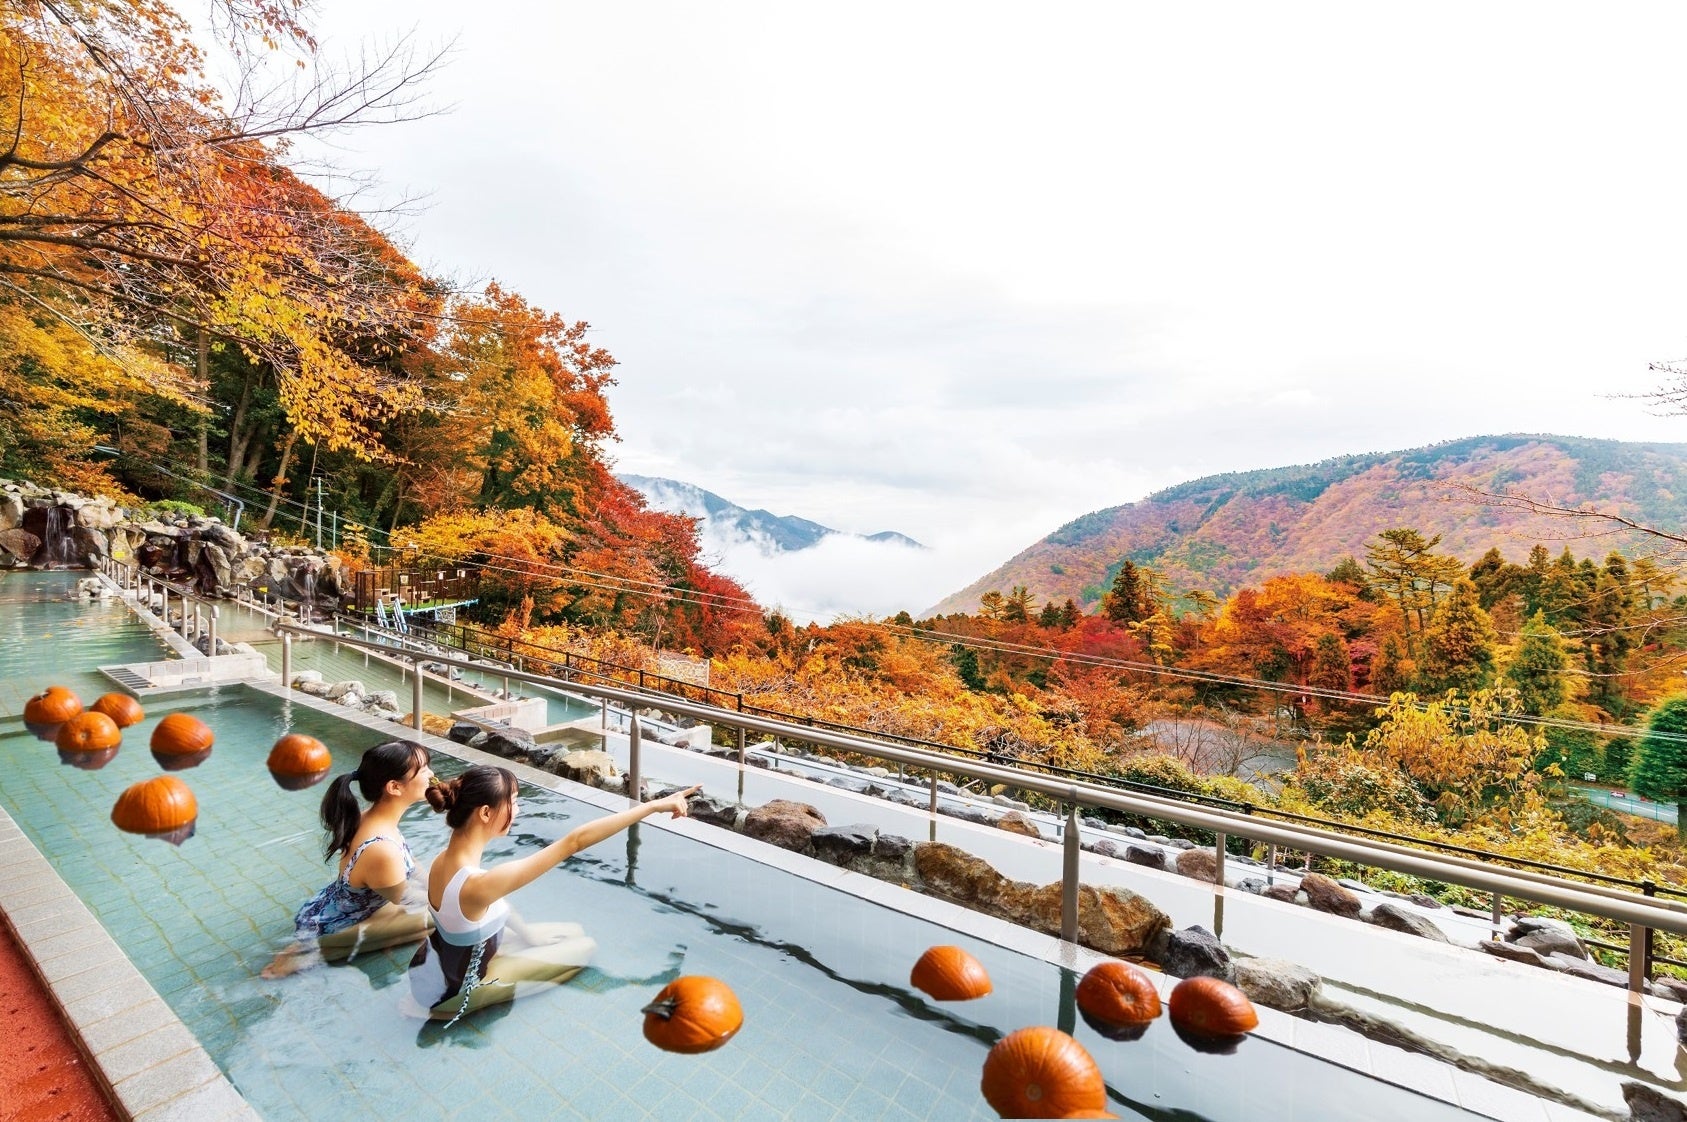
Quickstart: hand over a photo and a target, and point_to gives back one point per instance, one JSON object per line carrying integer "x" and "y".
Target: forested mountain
{"x": 1225, "y": 531}
{"x": 725, "y": 523}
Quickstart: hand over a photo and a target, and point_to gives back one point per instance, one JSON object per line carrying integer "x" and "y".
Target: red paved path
{"x": 43, "y": 1078}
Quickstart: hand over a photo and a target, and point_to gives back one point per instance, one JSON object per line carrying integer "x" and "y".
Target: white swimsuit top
{"x": 458, "y": 930}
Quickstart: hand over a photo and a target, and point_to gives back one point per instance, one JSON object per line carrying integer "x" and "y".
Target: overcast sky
{"x": 966, "y": 271}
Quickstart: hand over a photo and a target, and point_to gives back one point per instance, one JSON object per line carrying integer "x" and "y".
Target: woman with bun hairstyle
{"x": 360, "y": 909}
{"x": 477, "y": 954}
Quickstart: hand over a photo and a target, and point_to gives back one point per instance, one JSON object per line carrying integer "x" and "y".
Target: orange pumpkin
{"x": 950, "y": 974}
{"x": 1211, "y": 1007}
{"x": 181, "y": 741}
{"x": 121, "y": 708}
{"x": 159, "y": 808}
{"x": 1118, "y": 1000}
{"x": 52, "y": 706}
{"x": 693, "y": 1014}
{"x": 1041, "y": 1072}
{"x": 297, "y": 761}
{"x": 88, "y": 731}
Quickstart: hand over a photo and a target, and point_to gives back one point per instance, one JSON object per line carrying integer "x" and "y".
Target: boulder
{"x": 1101, "y": 847}
{"x": 956, "y": 875}
{"x": 1287, "y": 893}
{"x": 1592, "y": 971}
{"x": 590, "y": 766}
{"x": 716, "y": 812}
{"x": 784, "y": 823}
{"x": 1546, "y": 936}
{"x": 1277, "y": 984}
{"x": 90, "y": 544}
{"x": 1648, "y": 1104}
{"x": 462, "y": 732}
{"x": 1325, "y": 895}
{"x": 1395, "y": 918}
{"x": 1198, "y": 864}
{"x": 1181, "y": 843}
{"x": 1016, "y": 823}
{"x": 892, "y": 847}
{"x": 1134, "y": 832}
{"x": 1423, "y": 901}
{"x": 385, "y": 699}
{"x": 1195, "y": 952}
{"x": 340, "y": 689}
{"x": 1511, "y": 952}
{"x": 511, "y": 744}
{"x": 1142, "y": 855}
{"x": 842, "y": 845}
{"x": 11, "y": 510}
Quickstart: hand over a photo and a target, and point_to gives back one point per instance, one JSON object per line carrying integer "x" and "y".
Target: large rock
{"x": 716, "y": 812}
{"x": 1280, "y": 985}
{"x": 784, "y": 823}
{"x": 340, "y": 689}
{"x": 1395, "y": 918}
{"x": 1325, "y": 895}
{"x": 1592, "y": 971}
{"x": 1195, "y": 952}
{"x": 1511, "y": 952}
{"x": 11, "y": 510}
{"x": 1145, "y": 856}
{"x": 462, "y": 732}
{"x": 1016, "y": 823}
{"x": 590, "y": 766}
{"x": 90, "y": 545}
{"x": 511, "y": 744}
{"x": 1546, "y": 936}
{"x": 956, "y": 875}
{"x": 844, "y": 845}
{"x": 1648, "y": 1104}
{"x": 214, "y": 571}
{"x": 1198, "y": 864}
{"x": 1287, "y": 893}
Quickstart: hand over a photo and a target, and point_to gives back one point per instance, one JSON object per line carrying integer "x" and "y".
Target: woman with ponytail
{"x": 467, "y": 961}
{"x": 359, "y": 910}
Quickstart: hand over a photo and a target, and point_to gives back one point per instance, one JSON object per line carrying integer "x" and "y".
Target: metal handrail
{"x": 1640, "y": 912}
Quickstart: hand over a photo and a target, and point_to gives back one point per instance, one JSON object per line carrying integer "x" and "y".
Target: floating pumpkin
{"x": 1118, "y": 1000}
{"x": 159, "y": 808}
{"x": 950, "y": 974}
{"x": 88, "y": 731}
{"x": 1211, "y": 1008}
{"x": 51, "y": 707}
{"x": 121, "y": 708}
{"x": 87, "y": 761}
{"x": 181, "y": 741}
{"x": 1041, "y": 1072}
{"x": 693, "y": 1014}
{"x": 298, "y": 761}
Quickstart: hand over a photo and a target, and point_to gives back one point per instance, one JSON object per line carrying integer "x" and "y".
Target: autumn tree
{"x": 1457, "y": 647}
{"x": 1537, "y": 668}
{"x": 1659, "y": 770}
{"x": 1406, "y": 570}
{"x": 1460, "y": 752}
{"x": 1131, "y": 598}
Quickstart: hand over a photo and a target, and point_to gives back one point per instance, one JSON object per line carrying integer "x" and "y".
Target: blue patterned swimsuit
{"x": 339, "y": 905}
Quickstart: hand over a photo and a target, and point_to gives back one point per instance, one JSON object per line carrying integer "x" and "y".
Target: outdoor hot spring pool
{"x": 832, "y": 1028}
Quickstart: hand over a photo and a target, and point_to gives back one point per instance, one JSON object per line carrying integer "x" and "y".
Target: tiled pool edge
{"x": 1333, "y": 1044}
{"x": 152, "y": 1066}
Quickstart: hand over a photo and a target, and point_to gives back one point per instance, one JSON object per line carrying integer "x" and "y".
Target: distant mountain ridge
{"x": 1226, "y": 531}
{"x": 727, "y": 523}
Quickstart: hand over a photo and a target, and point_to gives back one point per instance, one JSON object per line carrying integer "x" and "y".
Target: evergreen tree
{"x": 1351, "y": 573}
{"x": 991, "y": 605}
{"x": 1017, "y": 607}
{"x": 1050, "y": 615}
{"x": 1391, "y": 670}
{"x": 1130, "y": 600}
{"x": 1495, "y": 578}
{"x": 965, "y": 660}
{"x": 1561, "y": 594}
{"x": 1332, "y": 667}
{"x": 1458, "y": 645}
{"x": 1069, "y": 614}
{"x": 1406, "y": 569}
{"x": 1660, "y": 762}
{"x": 1537, "y": 669}
{"x": 1532, "y": 581}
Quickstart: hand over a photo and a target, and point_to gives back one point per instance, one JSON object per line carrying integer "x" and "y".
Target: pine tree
{"x": 1406, "y": 569}
{"x": 1391, "y": 670}
{"x": 1458, "y": 645}
{"x": 1660, "y": 762}
{"x": 1537, "y": 669}
{"x": 966, "y": 667}
{"x": 1017, "y": 607}
{"x": 1050, "y": 615}
{"x": 1495, "y": 578}
{"x": 1069, "y": 614}
{"x": 1350, "y": 572}
{"x": 1130, "y": 600}
{"x": 1332, "y": 668}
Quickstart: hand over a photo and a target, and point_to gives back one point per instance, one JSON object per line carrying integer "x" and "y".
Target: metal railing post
{"x": 211, "y": 647}
{"x": 934, "y": 793}
{"x": 196, "y": 623}
{"x": 1220, "y": 842}
{"x": 416, "y": 692}
{"x": 1271, "y": 865}
{"x": 286, "y": 660}
{"x": 1498, "y": 901}
{"x": 604, "y": 720}
{"x": 1638, "y": 937}
{"x": 742, "y": 744}
{"x": 1069, "y": 873}
{"x": 635, "y": 785}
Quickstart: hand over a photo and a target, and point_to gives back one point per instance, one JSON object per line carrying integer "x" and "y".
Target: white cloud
{"x": 967, "y": 271}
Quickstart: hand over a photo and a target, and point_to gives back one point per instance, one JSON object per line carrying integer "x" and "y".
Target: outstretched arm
{"x": 501, "y": 880}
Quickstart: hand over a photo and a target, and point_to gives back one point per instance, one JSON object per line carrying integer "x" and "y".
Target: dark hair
{"x": 341, "y": 812}
{"x": 478, "y": 786}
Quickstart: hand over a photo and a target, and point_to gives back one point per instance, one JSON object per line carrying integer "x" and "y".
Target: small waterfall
{"x": 55, "y": 525}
